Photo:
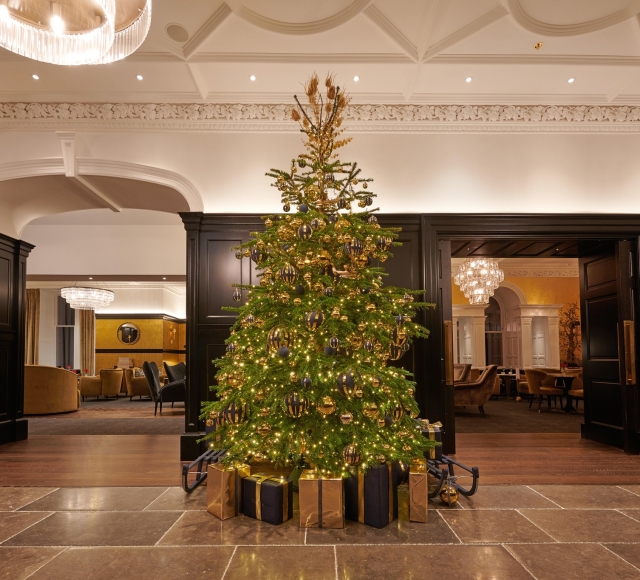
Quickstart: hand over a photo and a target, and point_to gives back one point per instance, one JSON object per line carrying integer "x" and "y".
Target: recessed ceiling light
{"x": 571, "y": 80}
{"x": 35, "y": 77}
{"x": 252, "y": 77}
{"x": 90, "y": 278}
{"x": 164, "y": 278}
{"x": 356, "y": 78}
{"x": 139, "y": 77}
{"x": 468, "y": 79}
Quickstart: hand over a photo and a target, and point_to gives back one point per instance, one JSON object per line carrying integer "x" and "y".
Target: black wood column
{"x": 13, "y": 276}
{"x": 211, "y": 270}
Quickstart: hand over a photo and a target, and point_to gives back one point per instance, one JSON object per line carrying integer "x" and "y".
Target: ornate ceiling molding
{"x": 536, "y": 273}
{"x": 520, "y": 15}
{"x": 421, "y": 118}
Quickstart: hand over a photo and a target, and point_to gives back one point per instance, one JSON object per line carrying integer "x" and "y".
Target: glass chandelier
{"x": 74, "y": 32}
{"x": 478, "y": 278}
{"x": 87, "y": 298}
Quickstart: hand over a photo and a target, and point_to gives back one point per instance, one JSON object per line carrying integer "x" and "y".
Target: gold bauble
{"x": 370, "y": 410}
{"x": 264, "y": 429}
{"x": 327, "y": 407}
{"x": 346, "y": 418}
{"x": 383, "y": 257}
{"x": 364, "y": 185}
{"x": 260, "y": 244}
{"x": 284, "y": 298}
{"x": 262, "y": 360}
{"x": 410, "y": 391}
{"x": 326, "y": 239}
{"x": 268, "y": 223}
{"x": 318, "y": 287}
{"x": 386, "y": 389}
{"x": 300, "y": 264}
{"x": 375, "y": 382}
{"x": 324, "y": 257}
{"x": 355, "y": 340}
{"x": 293, "y": 376}
{"x": 335, "y": 313}
{"x": 307, "y": 276}
{"x": 449, "y": 495}
{"x": 285, "y": 233}
{"x": 247, "y": 253}
{"x": 406, "y": 447}
{"x": 350, "y": 455}
{"x": 362, "y": 261}
{"x": 344, "y": 318}
{"x": 297, "y": 301}
{"x": 264, "y": 412}
{"x": 361, "y": 326}
{"x": 371, "y": 307}
{"x": 361, "y": 203}
{"x": 358, "y": 392}
{"x": 260, "y": 395}
{"x": 382, "y": 459}
{"x": 321, "y": 224}
{"x": 209, "y": 422}
{"x": 339, "y": 254}
{"x": 296, "y": 223}
{"x": 381, "y": 422}
{"x": 264, "y": 282}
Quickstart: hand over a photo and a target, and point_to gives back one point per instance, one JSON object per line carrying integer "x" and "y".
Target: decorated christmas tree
{"x": 305, "y": 380}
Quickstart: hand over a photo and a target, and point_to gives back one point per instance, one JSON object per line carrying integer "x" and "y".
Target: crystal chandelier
{"x": 87, "y": 298}
{"x": 74, "y": 32}
{"x": 478, "y": 278}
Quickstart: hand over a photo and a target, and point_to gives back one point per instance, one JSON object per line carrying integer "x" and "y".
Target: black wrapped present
{"x": 401, "y": 472}
{"x": 433, "y": 432}
{"x": 372, "y": 498}
{"x": 268, "y": 498}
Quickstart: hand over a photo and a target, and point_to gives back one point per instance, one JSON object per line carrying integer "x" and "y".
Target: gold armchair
{"x": 107, "y": 385}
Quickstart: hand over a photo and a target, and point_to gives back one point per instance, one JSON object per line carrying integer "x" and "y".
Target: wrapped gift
{"x": 418, "y": 492}
{"x": 433, "y": 432}
{"x": 372, "y": 497}
{"x": 321, "y": 500}
{"x": 224, "y": 489}
{"x": 267, "y": 498}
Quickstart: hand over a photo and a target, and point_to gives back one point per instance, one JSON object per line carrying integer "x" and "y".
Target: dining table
{"x": 563, "y": 381}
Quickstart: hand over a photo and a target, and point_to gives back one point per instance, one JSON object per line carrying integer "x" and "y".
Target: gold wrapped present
{"x": 224, "y": 489}
{"x": 321, "y": 500}
{"x": 418, "y": 492}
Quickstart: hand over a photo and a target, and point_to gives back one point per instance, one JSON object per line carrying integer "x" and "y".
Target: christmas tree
{"x": 305, "y": 379}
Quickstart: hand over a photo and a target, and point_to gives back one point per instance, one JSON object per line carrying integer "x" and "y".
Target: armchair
{"x": 108, "y": 384}
{"x": 176, "y": 372}
{"x": 136, "y": 386}
{"x": 461, "y": 372}
{"x": 476, "y": 392}
{"x": 169, "y": 393}
{"x": 536, "y": 381}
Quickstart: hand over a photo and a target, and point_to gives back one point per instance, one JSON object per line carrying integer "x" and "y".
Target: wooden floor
{"x": 152, "y": 460}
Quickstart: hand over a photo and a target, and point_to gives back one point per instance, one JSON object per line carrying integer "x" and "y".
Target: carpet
{"x": 509, "y": 416}
{"x": 106, "y": 426}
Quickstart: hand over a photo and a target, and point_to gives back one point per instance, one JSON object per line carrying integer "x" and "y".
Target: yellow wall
{"x": 155, "y": 335}
{"x": 537, "y": 290}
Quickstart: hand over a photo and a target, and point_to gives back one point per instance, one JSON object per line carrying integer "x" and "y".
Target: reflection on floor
{"x": 511, "y": 416}
{"x": 112, "y": 417}
{"x": 504, "y": 532}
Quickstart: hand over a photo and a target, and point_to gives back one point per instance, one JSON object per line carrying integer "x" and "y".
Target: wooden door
{"x": 607, "y": 285}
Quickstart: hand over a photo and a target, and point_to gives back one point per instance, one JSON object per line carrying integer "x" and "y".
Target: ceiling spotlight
{"x": 164, "y": 278}
{"x": 252, "y": 77}
{"x": 35, "y": 77}
{"x": 139, "y": 77}
{"x": 468, "y": 79}
{"x": 356, "y": 78}
{"x": 571, "y": 80}
{"x": 90, "y": 278}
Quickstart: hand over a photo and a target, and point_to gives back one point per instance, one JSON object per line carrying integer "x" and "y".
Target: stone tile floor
{"x": 544, "y": 532}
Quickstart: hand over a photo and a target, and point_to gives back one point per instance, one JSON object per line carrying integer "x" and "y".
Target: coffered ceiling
{"x": 417, "y": 51}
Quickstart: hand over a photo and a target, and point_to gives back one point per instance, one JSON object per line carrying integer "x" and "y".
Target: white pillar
{"x": 553, "y": 342}
{"x": 525, "y": 342}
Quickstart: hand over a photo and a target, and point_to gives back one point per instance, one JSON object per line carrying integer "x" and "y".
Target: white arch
{"x": 516, "y": 289}
{"x": 106, "y": 168}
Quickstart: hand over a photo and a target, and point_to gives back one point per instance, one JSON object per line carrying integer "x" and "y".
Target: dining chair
{"x": 535, "y": 380}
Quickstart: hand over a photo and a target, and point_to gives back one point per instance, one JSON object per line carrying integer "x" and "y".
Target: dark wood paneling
{"x": 13, "y": 264}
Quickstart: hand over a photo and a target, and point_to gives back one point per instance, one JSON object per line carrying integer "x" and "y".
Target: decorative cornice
{"x": 359, "y": 118}
{"x": 553, "y": 273}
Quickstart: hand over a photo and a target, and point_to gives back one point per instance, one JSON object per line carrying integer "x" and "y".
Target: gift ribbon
{"x": 259, "y": 478}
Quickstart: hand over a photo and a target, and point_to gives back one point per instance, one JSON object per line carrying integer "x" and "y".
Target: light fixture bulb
{"x": 139, "y": 77}
{"x": 35, "y": 77}
{"x": 571, "y": 80}
{"x": 356, "y": 78}
{"x": 4, "y": 11}
{"x": 468, "y": 79}
{"x": 252, "y": 77}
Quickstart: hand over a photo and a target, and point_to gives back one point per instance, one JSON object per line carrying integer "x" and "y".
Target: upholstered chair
{"x": 535, "y": 381}
{"x": 474, "y": 375}
{"x": 179, "y": 372}
{"x": 49, "y": 390}
{"x": 108, "y": 384}
{"x": 577, "y": 388}
{"x": 136, "y": 386}
{"x": 476, "y": 392}
{"x": 169, "y": 393}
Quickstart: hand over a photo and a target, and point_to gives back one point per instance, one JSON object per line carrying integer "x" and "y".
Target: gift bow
{"x": 426, "y": 423}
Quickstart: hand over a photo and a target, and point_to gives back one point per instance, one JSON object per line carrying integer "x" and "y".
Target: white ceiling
{"x": 402, "y": 50}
